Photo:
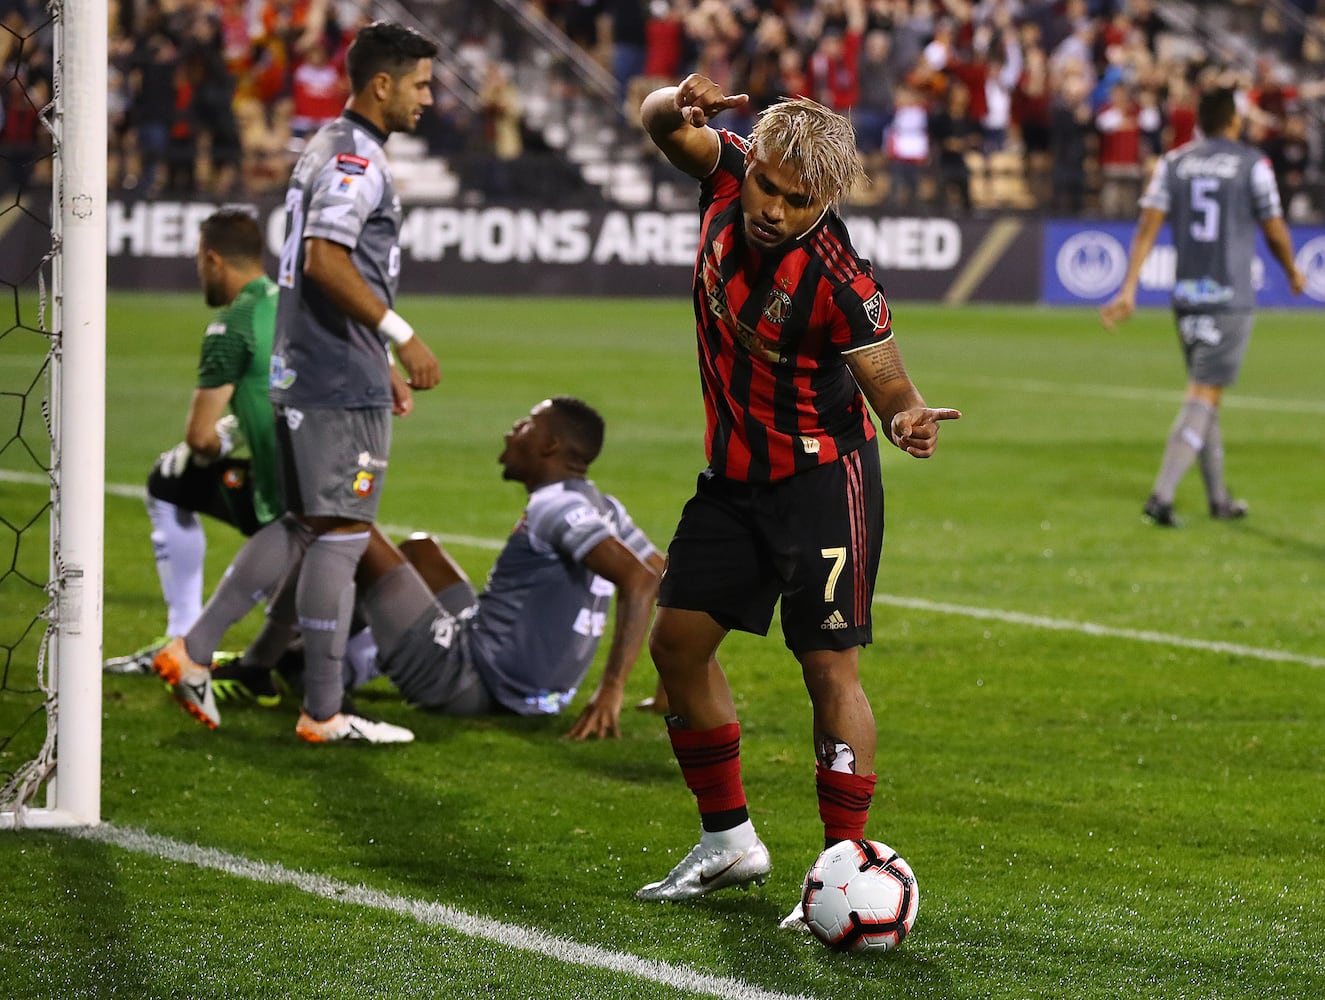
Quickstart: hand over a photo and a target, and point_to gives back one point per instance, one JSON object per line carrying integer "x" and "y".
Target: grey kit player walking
{"x": 1216, "y": 193}
{"x": 331, "y": 384}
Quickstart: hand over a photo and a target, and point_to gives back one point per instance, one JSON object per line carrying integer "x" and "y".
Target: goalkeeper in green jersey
{"x": 226, "y": 465}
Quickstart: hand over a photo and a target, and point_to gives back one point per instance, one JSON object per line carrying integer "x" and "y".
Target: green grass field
{"x": 1100, "y": 742}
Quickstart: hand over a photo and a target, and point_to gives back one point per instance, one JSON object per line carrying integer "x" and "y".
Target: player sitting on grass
{"x": 526, "y": 641}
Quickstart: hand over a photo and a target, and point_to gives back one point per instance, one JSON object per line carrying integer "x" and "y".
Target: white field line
{"x": 1104, "y": 631}
{"x": 1139, "y": 395}
{"x": 894, "y": 600}
{"x": 678, "y": 977}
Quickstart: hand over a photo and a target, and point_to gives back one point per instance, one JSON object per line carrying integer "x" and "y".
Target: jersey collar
{"x": 366, "y": 125}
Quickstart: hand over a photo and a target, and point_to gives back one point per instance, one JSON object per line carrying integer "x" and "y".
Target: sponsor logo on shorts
{"x": 834, "y": 622}
{"x": 370, "y": 461}
{"x": 363, "y": 483}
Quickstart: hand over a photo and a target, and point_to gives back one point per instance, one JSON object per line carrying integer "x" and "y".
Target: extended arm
{"x": 908, "y": 422}
{"x": 1124, "y": 303}
{"x": 676, "y": 119}
{"x": 637, "y": 589}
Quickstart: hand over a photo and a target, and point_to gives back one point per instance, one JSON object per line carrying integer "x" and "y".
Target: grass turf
{"x": 1103, "y": 812}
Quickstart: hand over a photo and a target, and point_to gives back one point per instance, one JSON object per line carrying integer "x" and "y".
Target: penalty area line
{"x": 433, "y": 914}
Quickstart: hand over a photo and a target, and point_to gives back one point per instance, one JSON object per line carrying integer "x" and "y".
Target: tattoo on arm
{"x": 882, "y": 363}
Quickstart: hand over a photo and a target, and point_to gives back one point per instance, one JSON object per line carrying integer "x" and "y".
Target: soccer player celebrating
{"x": 1218, "y": 192}
{"x": 331, "y": 385}
{"x": 794, "y": 338}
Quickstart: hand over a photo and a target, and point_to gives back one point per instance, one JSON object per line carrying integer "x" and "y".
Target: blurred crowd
{"x": 1052, "y": 105}
{"x": 1048, "y": 105}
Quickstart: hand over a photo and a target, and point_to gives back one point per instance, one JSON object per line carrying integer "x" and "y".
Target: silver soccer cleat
{"x": 707, "y": 869}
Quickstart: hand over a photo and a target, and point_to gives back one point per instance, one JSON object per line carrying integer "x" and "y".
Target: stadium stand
{"x": 1068, "y": 102}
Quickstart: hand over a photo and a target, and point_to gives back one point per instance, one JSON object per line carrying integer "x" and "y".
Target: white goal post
{"x": 70, "y": 767}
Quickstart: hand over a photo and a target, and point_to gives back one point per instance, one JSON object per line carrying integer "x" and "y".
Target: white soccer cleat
{"x": 795, "y": 920}
{"x": 191, "y": 682}
{"x": 343, "y": 726}
{"x": 707, "y": 869}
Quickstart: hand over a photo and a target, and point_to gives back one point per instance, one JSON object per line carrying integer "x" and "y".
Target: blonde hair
{"x": 820, "y": 144}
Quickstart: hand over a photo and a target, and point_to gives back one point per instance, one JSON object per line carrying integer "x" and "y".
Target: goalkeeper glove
{"x": 232, "y": 437}
{"x": 172, "y": 463}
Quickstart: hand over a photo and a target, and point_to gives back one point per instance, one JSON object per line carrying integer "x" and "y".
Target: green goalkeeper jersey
{"x": 237, "y": 351}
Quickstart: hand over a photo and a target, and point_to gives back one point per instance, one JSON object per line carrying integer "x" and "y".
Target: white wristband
{"x": 394, "y": 327}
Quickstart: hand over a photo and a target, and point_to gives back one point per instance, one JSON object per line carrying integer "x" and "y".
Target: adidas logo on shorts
{"x": 833, "y": 622}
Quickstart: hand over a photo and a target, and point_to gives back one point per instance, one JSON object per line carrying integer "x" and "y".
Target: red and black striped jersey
{"x": 772, "y": 330}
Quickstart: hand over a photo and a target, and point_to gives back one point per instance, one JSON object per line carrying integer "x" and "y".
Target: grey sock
{"x": 1186, "y": 439}
{"x": 325, "y": 601}
{"x": 394, "y": 603}
{"x": 1212, "y": 464}
{"x": 254, "y": 573}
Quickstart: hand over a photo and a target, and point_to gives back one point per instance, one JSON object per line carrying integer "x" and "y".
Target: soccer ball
{"x": 860, "y": 896}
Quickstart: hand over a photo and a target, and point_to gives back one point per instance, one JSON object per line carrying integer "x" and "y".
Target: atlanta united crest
{"x": 778, "y": 307}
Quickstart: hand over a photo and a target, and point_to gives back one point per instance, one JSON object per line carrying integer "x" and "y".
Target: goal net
{"x": 53, "y": 74}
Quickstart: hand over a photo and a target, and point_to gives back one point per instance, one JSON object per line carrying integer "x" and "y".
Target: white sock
{"x": 360, "y": 658}
{"x": 739, "y": 837}
{"x": 179, "y": 545}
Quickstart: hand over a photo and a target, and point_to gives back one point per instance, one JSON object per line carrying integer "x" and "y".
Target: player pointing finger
{"x": 916, "y": 431}
{"x": 699, "y": 99}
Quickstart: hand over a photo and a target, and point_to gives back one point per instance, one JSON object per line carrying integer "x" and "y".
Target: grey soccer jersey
{"x": 340, "y": 190}
{"x": 542, "y": 612}
{"x": 1216, "y": 193}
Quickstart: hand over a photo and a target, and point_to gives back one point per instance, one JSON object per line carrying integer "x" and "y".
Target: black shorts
{"x": 223, "y": 490}
{"x": 812, "y": 540}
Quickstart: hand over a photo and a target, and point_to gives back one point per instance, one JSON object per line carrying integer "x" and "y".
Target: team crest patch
{"x": 778, "y": 307}
{"x": 348, "y": 163}
{"x": 232, "y": 479}
{"x": 363, "y": 483}
{"x": 878, "y": 311}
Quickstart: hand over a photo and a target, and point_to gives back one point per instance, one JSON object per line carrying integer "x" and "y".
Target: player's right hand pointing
{"x": 699, "y": 99}
{"x": 419, "y": 363}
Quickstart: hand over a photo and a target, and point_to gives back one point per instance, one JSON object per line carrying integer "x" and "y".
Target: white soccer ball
{"x": 860, "y": 895}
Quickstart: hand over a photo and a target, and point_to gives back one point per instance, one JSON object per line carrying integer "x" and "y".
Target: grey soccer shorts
{"x": 333, "y": 462}
{"x": 1213, "y": 345}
